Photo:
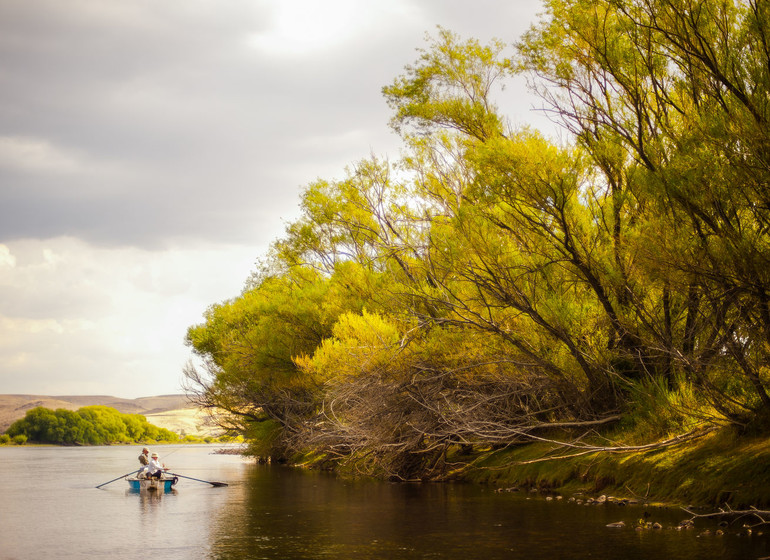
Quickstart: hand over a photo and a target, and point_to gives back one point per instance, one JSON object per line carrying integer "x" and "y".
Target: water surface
{"x": 52, "y": 510}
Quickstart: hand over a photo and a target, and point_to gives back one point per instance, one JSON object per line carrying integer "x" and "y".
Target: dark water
{"x": 50, "y": 509}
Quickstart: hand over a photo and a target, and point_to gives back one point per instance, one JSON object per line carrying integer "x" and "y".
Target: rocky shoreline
{"x": 640, "y": 514}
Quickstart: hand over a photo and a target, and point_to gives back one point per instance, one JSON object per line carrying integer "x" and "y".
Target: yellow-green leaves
{"x": 490, "y": 282}
{"x": 452, "y": 87}
{"x": 361, "y": 344}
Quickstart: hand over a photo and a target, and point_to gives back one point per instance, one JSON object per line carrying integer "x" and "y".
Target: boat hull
{"x": 151, "y": 484}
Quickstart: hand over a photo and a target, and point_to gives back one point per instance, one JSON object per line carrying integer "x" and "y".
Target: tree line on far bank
{"x": 493, "y": 286}
{"x": 89, "y": 425}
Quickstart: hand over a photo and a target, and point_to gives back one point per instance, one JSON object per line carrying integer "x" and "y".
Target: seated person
{"x": 144, "y": 460}
{"x": 155, "y": 468}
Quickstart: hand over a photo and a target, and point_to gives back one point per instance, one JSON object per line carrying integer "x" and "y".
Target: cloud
{"x": 7, "y": 260}
{"x": 118, "y": 115}
{"x": 150, "y": 152}
{"x": 35, "y": 156}
{"x": 115, "y": 115}
{"x": 72, "y": 314}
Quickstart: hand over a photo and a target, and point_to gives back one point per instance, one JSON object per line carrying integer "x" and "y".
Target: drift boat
{"x": 165, "y": 484}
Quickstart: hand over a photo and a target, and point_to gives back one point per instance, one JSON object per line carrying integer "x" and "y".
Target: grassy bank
{"x": 719, "y": 468}
{"x": 711, "y": 462}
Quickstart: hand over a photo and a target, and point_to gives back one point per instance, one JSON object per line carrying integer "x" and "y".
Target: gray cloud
{"x": 150, "y": 151}
{"x": 170, "y": 120}
{"x": 159, "y": 124}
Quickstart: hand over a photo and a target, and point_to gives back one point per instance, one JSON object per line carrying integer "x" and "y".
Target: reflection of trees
{"x": 295, "y": 514}
{"x": 283, "y": 513}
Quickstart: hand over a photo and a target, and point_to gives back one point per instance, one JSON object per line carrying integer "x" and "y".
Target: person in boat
{"x": 155, "y": 468}
{"x": 144, "y": 458}
{"x": 144, "y": 461}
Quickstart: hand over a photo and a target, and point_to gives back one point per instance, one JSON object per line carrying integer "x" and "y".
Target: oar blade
{"x": 216, "y": 484}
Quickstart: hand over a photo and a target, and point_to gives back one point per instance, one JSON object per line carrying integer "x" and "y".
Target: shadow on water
{"x": 286, "y": 513}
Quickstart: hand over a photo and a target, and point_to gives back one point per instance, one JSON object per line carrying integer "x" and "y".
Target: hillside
{"x": 173, "y": 412}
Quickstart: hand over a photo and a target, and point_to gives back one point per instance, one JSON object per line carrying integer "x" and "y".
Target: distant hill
{"x": 173, "y": 412}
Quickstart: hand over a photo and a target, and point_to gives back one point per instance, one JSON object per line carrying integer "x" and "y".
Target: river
{"x": 51, "y": 509}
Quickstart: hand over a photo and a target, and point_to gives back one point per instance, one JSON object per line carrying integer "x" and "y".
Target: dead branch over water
{"x": 755, "y": 517}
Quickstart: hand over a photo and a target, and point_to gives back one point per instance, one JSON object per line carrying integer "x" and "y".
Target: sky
{"x": 150, "y": 153}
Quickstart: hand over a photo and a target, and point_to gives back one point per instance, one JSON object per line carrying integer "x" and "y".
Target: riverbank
{"x": 718, "y": 469}
{"x": 721, "y": 468}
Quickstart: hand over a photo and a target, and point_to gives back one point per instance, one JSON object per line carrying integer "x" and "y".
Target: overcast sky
{"x": 150, "y": 151}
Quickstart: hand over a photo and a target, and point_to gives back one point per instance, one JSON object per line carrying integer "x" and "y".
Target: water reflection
{"x": 285, "y": 513}
{"x": 52, "y": 510}
{"x": 149, "y": 498}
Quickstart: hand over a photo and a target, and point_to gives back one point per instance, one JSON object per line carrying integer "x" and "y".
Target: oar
{"x": 199, "y": 480}
{"x": 114, "y": 479}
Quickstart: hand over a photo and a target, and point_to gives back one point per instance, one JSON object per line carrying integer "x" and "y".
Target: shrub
{"x": 90, "y": 425}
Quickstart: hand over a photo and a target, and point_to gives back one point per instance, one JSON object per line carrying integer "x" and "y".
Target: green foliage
{"x": 659, "y": 411}
{"x": 90, "y": 425}
{"x": 251, "y": 343}
{"x": 359, "y": 345}
{"x": 264, "y": 438}
{"x": 493, "y": 284}
{"x": 451, "y": 86}
{"x": 669, "y": 100}
{"x": 721, "y": 468}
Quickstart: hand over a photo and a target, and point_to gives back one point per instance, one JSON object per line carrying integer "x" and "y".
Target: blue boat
{"x": 165, "y": 484}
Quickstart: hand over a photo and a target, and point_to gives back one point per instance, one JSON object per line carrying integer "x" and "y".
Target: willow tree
{"x": 516, "y": 250}
{"x": 247, "y": 349}
{"x": 499, "y": 307}
{"x": 491, "y": 286}
{"x": 670, "y": 99}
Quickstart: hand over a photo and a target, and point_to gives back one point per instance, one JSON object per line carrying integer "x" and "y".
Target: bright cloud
{"x": 72, "y": 311}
